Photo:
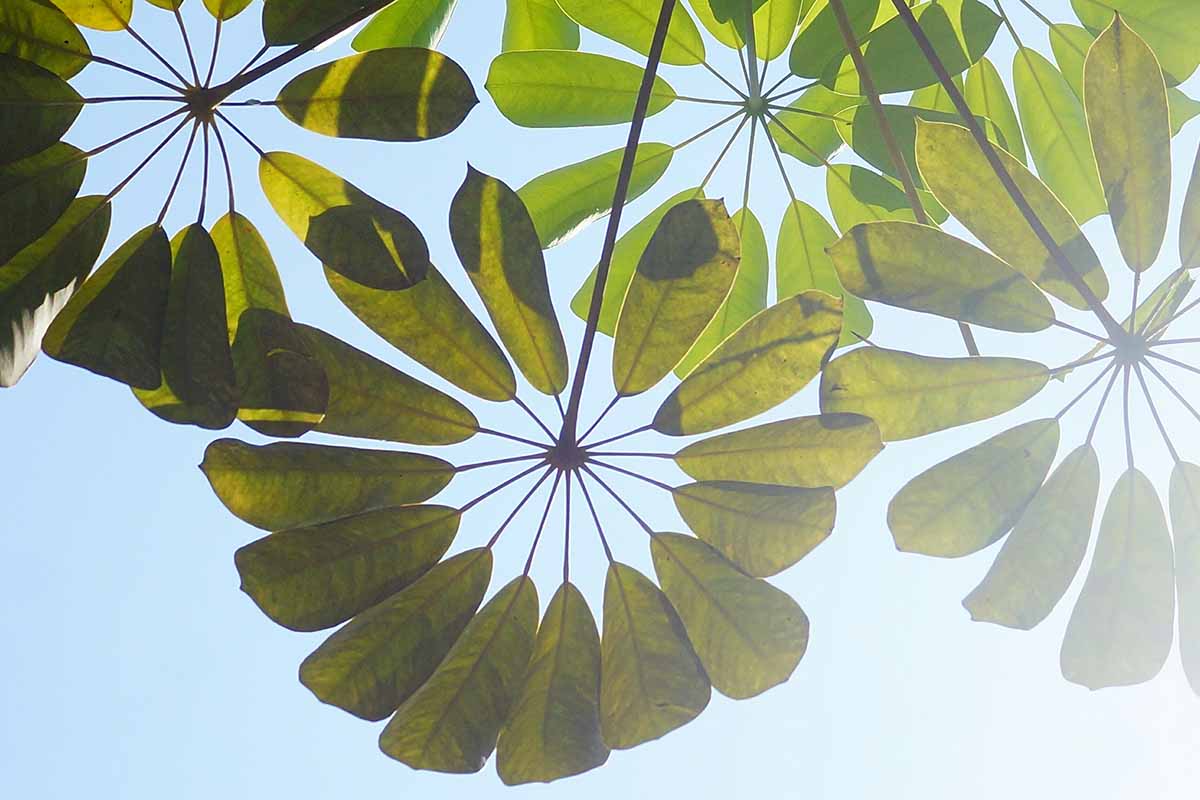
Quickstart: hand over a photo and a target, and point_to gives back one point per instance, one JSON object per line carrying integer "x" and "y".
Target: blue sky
{"x": 135, "y": 668}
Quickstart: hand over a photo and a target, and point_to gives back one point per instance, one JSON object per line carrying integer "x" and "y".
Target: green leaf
{"x": 1189, "y": 221}
{"x": 970, "y": 500}
{"x": 1171, "y": 27}
{"x": 376, "y": 662}
{"x": 308, "y": 579}
{"x": 40, "y": 33}
{"x": 406, "y": 23}
{"x": 499, "y": 248}
{"x": 934, "y": 97}
{"x": 1124, "y": 621}
{"x": 1039, "y": 559}
{"x": 563, "y": 88}
{"x": 1070, "y": 45}
{"x": 370, "y": 399}
{"x": 286, "y": 484}
{"x": 39, "y": 280}
{"x": 1130, "y": 124}
{"x": 251, "y": 279}
{"x": 1185, "y": 524}
{"x": 36, "y": 108}
{"x": 682, "y": 278}
{"x": 1183, "y": 109}
{"x": 910, "y": 395}
{"x": 761, "y": 529}
{"x": 1056, "y": 131}
{"x": 401, "y": 94}
{"x": 283, "y": 389}
{"x": 809, "y": 452}
{"x": 811, "y": 138}
{"x": 959, "y": 174}
{"x": 960, "y": 31}
{"x": 748, "y": 635}
{"x": 293, "y": 21}
{"x": 554, "y": 729}
{"x": 538, "y": 25}
{"x": 651, "y": 681}
{"x": 774, "y": 25}
{"x": 626, "y": 255}
{"x": 802, "y": 263}
{"x": 819, "y": 41}
{"x": 747, "y": 297}
{"x": 432, "y": 325}
{"x": 351, "y": 232}
{"x": 451, "y": 723}
{"x": 987, "y": 97}
{"x": 34, "y": 194}
{"x": 732, "y": 10}
{"x": 113, "y": 325}
{"x": 564, "y": 201}
{"x": 765, "y": 362}
{"x": 101, "y": 15}
{"x": 857, "y": 195}
{"x": 923, "y": 269}
{"x": 220, "y": 9}
{"x": 632, "y": 23}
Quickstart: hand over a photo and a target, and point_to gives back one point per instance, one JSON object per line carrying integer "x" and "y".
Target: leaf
{"x": 731, "y": 10}
{"x": 554, "y": 729}
{"x": 761, "y": 529}
{"x": 765, "y": 362}
{"x": 308, "y": 579}
{"x": 819, "y": 41}
{"x": 287, "y": 484}
{"x": 1130, "y": 124}
{"x": 221, "y": 9}
{"x": 36, "y": 108}
{"x": 959, "y": 174}
{"x": 370, "y": 399}
{"x": 961, "y": 31}
{"x": 113, "y": 325}
{"x": 626, "y": 254}
{"x": 432, "y": 325}
{"x": 499, "y": 248}
{"x": 987, "y": 97}
{"x": 451, "y": 723}
{"x": 1189, "y": 221}
{"x": 40, "y": 33}
{"x": 857, "y": 195}
{"x": 1070, "y": 45}
{"x": 563, "y": 88}
{"x": 293, "y": 21}
{"x": 564, "y": 201}
{"x": 101, "y": 15}
{"x": 351, "y": 232}
{"x": 748, "y": 635}
{"x": 1185, "y": 524}
{"x": 910, "y": 395}
{"x": 1124, "y": 621}
{"x": 1056, "y": 132}
{"x": 39, "y": 280}
{"x": 251, "y": 279}
{"x": 809, "y": 452}
{"x": 407, "y": 23}
{"x": 284, "y": 391}
{"x": 811, "y": 137}
{"x": 1171, "y": 27}
{"x": 376, "y": 662}
{"x": 1039, "y": 559}
{"x": 923, "y": 269}
{"x": 970, "y": 500}
{"x": 1183, "y": 109}
{"x": 401, "y": 94}
{"x": 747, "y": 297}
{"x": 802, "y": 262}
{"x": 632, "y": 23}
{"x": 34, "y": 194}
{"x": 651, "y": 681}
{"x": 682, "y": 278}
{"x": 538, "y": 25}
{"x": 934, "y": 97}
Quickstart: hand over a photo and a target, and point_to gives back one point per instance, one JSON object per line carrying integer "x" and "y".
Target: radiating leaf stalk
{"x": 596, "y": 519}
{"x": 521, "y": 504}
{"x": 537, "y": 536}
{"x": 178, "y": 175}
{"x": 1162, "y": 429}
{"x": 620, "y": 501}
{"x": 1100, "y": 406}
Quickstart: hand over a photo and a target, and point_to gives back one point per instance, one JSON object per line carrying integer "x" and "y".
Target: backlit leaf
{"x": 293, "y": 21}
{"x": 40, "y": 33}
{"x": 287, "y": 484}
{"x": 251, "y": 279}
{"x": 36, "y": 108}
{"x": 987, "y": 97}
{"x": 811, "y": 137}
{"x": 406, "y": 23}
{"x": 1171, "y": 27}
{"x": 283, "y": 390}
{"x": 34, "y": 193}
{"x": 748, "y": 635}
{"x": 819, "y": 41}
{"x": 857, "y": 195}
{"x": 910, "y": 395}
{"x": 102, "y": 15}
{"x": 632, "y": 23}
{"x": 651, "y": 681}
{"x": 811, "y": 452}
{"x": 451, "y": 723}
{"x": 934, "y": 97}
{"x": 538, "y": 25}
{"x": 970, "y": 500}
{"x": 1185, "y": 525}
{"x": 761, "y": 529}
{"x": 1124, "y": 621}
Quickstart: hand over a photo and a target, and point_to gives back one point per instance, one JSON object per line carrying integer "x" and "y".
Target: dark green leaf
{"x": 40, "y": 33}
{"x": 34, "y": 194}
{"x": 811, "y": 138}
{"x": 819, "y": 41}
{"x": 292, "y": 21}
{"x": 406, "y": 23}
{"x": 36, "y": 108}
{"x": 538, "y": 25}
{"x": 283, "y": 390}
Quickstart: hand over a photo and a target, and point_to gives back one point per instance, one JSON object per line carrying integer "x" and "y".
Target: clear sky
{"x": 134, "y": 668}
